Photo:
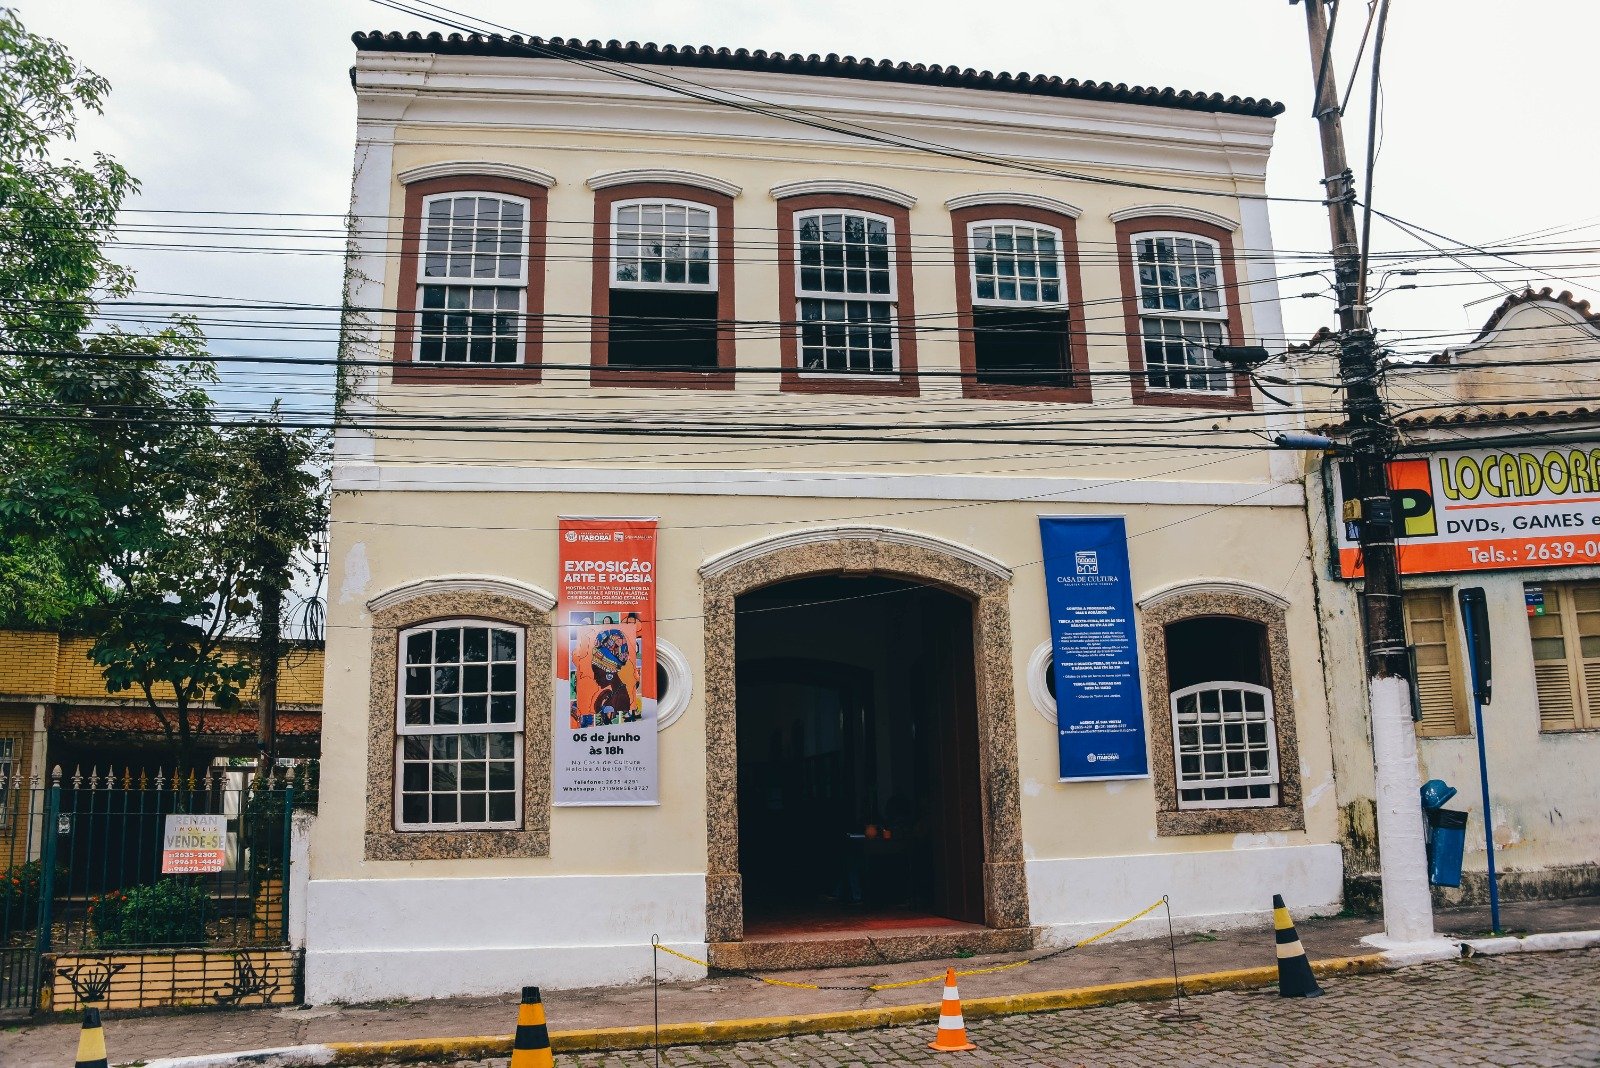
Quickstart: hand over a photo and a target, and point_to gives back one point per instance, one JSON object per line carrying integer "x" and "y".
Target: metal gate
{"x": 83, "y": 871}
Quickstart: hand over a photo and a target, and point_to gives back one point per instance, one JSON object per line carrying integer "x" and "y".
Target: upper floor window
{"x": 663, "y": 301}
{"x": 1019, "y": 316}
{"x": 1181, "y": 313}
{"x": 459, "y": 719}
{"x": 470, "y": 293}
{"x": 474, "y": 278}
{"x": 846, "y": 292}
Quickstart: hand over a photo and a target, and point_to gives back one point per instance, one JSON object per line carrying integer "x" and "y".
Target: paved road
{"x": 1522, "y": 1009}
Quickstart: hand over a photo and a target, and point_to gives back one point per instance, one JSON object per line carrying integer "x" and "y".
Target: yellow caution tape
{"x": 919, "y": 982}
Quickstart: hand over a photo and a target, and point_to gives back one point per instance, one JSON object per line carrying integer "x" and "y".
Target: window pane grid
{"x": 1225, "y": 745}
{"x": 459, "y": 761}
{"x": 852, "y": 336}
{"x": 1566, "y": 651}
{"x": 1014, "y": 263}
{"x": 663, "y": 244}
{"x": 474, "y": 272}
{"x": 844, "y": 252}
{"x": 1181, "y": 313}
{"x": 1177, "y": 355}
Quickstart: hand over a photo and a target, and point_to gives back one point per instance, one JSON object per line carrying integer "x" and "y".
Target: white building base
{"x": 374, "y": 939}
{"x": 1074, "y": 898}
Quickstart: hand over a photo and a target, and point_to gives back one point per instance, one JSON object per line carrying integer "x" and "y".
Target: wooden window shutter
{"x": 1430, "y": 630}
{"x": 1555, "y": 681}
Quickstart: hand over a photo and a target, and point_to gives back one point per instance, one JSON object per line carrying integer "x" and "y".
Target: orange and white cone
{"x": 952, "y": 1036}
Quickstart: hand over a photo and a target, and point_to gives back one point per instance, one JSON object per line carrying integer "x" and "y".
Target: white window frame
{"x": 9, "y": 785}
{"x": 670, "y": 287}
{"x": 892, "y": 299}
{"x": 1218, "y": 316}
{"x": 997, "y": 302}
{"x": 1270, "y": 777}
{"x": 520, "y": 283}
{"x": 403, "y": 730}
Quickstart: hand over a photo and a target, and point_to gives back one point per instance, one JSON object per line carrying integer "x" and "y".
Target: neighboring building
{"x": 55, "y": 711}
{"x": 851, "y": 604}
{"x": 1498, "y": 489}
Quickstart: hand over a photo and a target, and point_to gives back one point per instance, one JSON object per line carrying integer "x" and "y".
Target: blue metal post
{"x": 1483, "y": 773}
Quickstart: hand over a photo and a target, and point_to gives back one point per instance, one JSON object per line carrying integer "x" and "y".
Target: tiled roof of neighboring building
{"x": 1527, "y": 296}
{"x": 830, "y": 66}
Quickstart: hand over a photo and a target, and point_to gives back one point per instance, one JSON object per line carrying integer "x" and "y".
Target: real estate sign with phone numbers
{"x": 1487, "y": 509}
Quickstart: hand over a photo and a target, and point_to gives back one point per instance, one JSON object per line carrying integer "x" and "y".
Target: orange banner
{"x": 606, "y": 663}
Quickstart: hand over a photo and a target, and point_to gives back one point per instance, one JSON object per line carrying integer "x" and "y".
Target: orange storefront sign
{"x": 1488, "y": 509}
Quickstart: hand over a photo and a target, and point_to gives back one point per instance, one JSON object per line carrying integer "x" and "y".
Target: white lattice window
{"x": 1182, "y": 317}
{"x": 458, "y": 752}
{"x": 663, "y": 244}
{"x": 9, "y": 785}
{"x": 472, "y": 286}
{"x": 845, "y": 290}
{"x": 1015, "y": 263}
{"x": 1226, "y": 745}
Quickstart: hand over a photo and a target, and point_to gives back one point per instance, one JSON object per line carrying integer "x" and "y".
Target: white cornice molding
{"x": 611, "y": 179}
{"x": 1002, "y": 200}
{"x": 1214, "y": 586}
{"x": 1182, "y": 212}
{"x": 754, "y": 550}
{"x": 842, "y": 187}
{"x": 462, "y": 167}
{"x": 500, "y": 587}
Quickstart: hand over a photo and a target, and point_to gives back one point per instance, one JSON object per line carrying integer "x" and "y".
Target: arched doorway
{"x": 859, "y": 793}
{"x": 971, "y": 587}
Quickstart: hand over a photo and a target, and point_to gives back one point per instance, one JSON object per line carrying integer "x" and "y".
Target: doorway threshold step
{"x": 851, "y": 949}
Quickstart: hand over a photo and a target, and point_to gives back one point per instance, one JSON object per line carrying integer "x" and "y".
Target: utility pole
{"x": 1407, "y": 899}
{"x": 272, "y": 463}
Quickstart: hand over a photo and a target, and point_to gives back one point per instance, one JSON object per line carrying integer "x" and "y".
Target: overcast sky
{"x": 225, "y": 105}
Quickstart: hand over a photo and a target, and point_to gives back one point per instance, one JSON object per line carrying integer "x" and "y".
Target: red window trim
{"x": 406, "y": 367}
{"x": 600, "y": 304}
{"x": 1240, "y": 398}
{"x": 961, "y": 221}
{"x": 792, "y": 380}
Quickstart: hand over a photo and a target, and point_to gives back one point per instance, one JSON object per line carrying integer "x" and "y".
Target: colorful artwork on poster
{"x": 606, "y": 663}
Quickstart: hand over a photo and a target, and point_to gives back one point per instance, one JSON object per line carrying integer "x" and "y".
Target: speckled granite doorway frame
{"x": 863, "y": 551}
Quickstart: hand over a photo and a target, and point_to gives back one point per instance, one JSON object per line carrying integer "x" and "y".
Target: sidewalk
{"x": 187, "y": 1034}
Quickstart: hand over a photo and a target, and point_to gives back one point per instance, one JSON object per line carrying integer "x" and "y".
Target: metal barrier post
{"x": 288, "y": 826}
{"x": 47, "y": 880}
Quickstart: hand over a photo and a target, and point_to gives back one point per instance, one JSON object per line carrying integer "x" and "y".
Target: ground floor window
{"x": 1436, "y": 676}
{"x": 1225, "y": 742}
{"x": 1564, "y": 628}
{"x": 458, "y": 755}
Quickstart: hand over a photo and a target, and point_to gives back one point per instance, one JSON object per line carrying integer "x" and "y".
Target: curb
{"x": 603, "y": 1039}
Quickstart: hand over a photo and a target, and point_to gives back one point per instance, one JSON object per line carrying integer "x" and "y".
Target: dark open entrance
{"x": 859, "y": 801}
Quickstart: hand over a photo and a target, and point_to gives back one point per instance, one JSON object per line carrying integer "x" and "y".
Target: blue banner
{"x": 1099, "y": 704}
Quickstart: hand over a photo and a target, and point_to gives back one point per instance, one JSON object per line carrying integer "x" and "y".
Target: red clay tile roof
{"x": 1527, "y": 296}
{"x": 830, "y": 66}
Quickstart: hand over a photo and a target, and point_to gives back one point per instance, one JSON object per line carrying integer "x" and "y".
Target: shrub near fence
{"x": 19, "y": 898}
{"x": 173, "y": 912}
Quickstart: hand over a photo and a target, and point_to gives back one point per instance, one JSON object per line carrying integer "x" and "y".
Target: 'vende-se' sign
{"x": 1488, "y": 509}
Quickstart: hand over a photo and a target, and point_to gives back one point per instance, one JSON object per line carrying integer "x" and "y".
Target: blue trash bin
{"x": 1448, "y": 838}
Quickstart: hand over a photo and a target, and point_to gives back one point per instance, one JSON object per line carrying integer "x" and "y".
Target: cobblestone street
{"x": 1521, "y": 1009}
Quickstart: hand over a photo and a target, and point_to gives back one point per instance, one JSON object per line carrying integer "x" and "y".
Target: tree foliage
{"x": 128, "y": 507}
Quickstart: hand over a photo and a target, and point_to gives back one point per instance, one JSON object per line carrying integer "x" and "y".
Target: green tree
{"x": 127, "y": 506}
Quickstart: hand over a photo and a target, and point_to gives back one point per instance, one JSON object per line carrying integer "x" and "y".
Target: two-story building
{"x": 789, "y": 356}
{"x": 1496, "y": 490}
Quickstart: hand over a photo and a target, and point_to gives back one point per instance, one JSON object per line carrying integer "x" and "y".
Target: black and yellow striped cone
{"x": 1294, "y": 968}
{"x": 91, "y": 1042}
{"x": 531, "y": 1047}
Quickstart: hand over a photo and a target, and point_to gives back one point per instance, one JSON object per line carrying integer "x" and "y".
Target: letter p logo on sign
{"x": 1411, "y": 489}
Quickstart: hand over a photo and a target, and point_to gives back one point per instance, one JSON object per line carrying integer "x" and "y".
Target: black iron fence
{"x": 135, "y": 861}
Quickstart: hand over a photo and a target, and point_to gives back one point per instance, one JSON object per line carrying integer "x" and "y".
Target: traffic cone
{"x": 531, "y": 1047}
{"x": 91, "y": 1042}
{"x": 952, "y": 1035}
{"x": 1294, "y": 969}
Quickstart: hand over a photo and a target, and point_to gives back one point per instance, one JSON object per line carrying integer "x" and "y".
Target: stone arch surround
{"x": 1005, "y": 887}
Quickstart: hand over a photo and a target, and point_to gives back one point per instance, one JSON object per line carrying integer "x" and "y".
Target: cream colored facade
{"x": 445, "y": 519}
{"x": 1519, "y": 387}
